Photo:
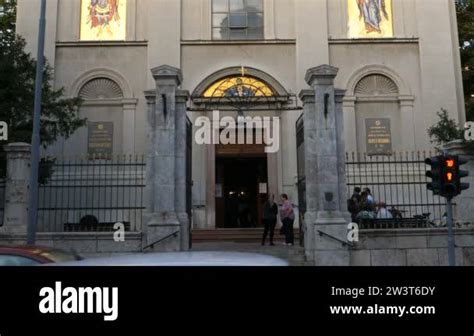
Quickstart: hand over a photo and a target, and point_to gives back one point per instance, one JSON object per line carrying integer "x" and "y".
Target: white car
{"x": 182, "y": 259}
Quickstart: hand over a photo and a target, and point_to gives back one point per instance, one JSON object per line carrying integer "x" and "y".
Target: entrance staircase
{"x": 248, "y": 240}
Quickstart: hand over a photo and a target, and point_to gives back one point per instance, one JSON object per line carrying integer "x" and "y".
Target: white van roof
{"x": 182, "y": 259}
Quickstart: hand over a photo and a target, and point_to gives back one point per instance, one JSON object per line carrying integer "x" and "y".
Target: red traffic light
{"x": 449, "y": 177}
{"x": 450, "y": 163}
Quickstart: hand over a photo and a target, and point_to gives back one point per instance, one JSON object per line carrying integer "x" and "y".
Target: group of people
{"x": 287, "y": 217}
{"x": 362, "y": 205}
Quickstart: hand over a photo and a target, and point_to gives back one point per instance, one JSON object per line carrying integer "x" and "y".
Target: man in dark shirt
{"x": 270, "y": 212}
{"x": 353, "y": 204}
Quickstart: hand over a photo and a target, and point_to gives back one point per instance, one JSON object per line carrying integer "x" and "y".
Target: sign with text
{"x": 379, "y": 136}
{"x": 101, "y": 135}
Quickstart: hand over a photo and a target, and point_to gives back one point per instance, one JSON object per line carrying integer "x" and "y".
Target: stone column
{"x": 311, "y": 173}
{"x": 465, "y": 201}
{"x": 150, "y": 97}
{"x": 181, "y": 165}
{"x": 341, "y": 152}
{"x": 408, "y": 122}
{"x": 161, "y": 218}
{"x": 325, "y": 171}
{"x": 15, "y": 220}
{"x": 128, "y": 127}
{"x": 350, "y": 123}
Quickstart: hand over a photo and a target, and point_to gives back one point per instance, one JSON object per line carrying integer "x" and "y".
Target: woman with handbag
{"x": 287, "y": 216}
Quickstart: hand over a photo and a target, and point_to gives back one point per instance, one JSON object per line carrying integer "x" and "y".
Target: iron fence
{"x": 3, "y": 172}
{"x": 2, "y": 200}
{"x": 92, "y": 194}
{"x": 398, "y": 180}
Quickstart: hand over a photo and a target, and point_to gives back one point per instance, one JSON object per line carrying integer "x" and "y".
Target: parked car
{"x": 183, "y": 259}
{"x": 33, "y": 255}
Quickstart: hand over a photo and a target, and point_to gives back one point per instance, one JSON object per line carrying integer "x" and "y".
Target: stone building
{"x": 398, "y": 63}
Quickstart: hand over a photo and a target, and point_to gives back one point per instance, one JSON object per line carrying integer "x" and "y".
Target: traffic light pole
{"x": 449, "y": 219}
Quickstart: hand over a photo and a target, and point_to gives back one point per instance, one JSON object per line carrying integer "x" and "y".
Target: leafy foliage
{"x": 465, "y": 15}
{"x": 445, "y": 130}
{"x": 17, "y": 87}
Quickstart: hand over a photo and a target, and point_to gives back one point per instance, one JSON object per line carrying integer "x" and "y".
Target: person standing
{"x": 287, "y": 216}
{"x": 353, "y": 204}
{"x": 270, "y": 212}
{"x": 370, "y": 197}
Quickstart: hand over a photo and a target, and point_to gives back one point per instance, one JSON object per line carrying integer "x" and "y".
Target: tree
{"x": 445, "y": 130}
{"x": 59, "y": 116}
{"x": 465, "y": 14}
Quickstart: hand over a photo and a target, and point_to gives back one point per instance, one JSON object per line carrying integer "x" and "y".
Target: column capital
{"x": 405, "y": 100}
{"x": 339, "y": 95}
{"x": 167, "y": 75}
{"x": 150, "y": 96}
{"x": 130, "y": 103}
{"x": 17, "y": 147}
{"x": 182, "y": 96}
{"x": 307, "y": 96}
{"x": 349, "y": 101}
{"x": 321, "y": 75}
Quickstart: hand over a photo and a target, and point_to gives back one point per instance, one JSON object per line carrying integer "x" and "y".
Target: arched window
{"x": 378, "y": 120}
{"x": 103, "y": 107}
{"x": 101, "y": 88}
{"x": 238, "y": 86}
{"x": 376, "y": 85}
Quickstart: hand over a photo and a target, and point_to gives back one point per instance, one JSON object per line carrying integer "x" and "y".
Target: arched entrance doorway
{"x": 243, "y": 105}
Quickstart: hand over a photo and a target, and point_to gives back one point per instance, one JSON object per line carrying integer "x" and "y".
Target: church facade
{"x": 398, "y": 63}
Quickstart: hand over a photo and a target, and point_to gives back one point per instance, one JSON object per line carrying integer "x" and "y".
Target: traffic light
{"x": 436, "y": 184}
{"x": 462, "y": 173}
{"x": 446, "y": 175}
{"x": 450, "y": 175}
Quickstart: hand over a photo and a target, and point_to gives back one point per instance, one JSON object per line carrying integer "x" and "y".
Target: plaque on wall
{"x": 101, "y": 139}
{"x": 379, "y": 136}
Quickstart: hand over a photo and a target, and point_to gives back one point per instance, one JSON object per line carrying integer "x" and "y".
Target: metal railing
{"x": 3, "y": 173}
{"x": 2, "y": 200}
{"x": 398, "y": 180}
{"x": 93, "y": 194}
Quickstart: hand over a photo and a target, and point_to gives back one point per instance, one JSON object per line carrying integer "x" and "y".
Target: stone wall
{"x": 88, "y": 244}
{"x": 412, "y": 247}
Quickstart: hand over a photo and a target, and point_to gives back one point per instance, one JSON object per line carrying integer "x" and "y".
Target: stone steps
{"x": 237, "y": 235}
{"x": 293, "y": 254}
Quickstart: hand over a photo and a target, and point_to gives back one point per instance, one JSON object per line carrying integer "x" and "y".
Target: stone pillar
{"x": 311, "y": 173}
{"x": 341, "y": 152}
{"x": 465, "y": 201}
{"x": 128, "y": 127}
{"x": 408, "y": 121}
{"x": 161, "y": 218}
{"x": 150, "y": 97}
{"x": 325, "y": 169}
{"x": 181, "y": 165}
{"x": 350, "y": 123}
{"x": 15, "y": 220}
